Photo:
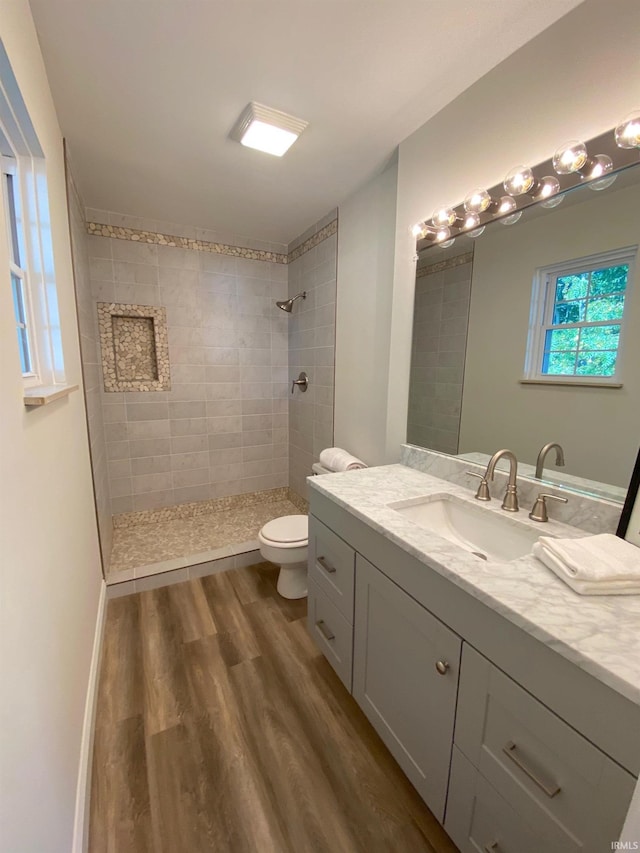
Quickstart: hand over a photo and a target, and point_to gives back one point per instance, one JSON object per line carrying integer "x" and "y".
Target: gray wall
{"x": 222, "y": 429}
{"x": 365, "y": 290}
{"x": 92, "y": 373}
{"x": 312, "y": 349}
{"x": 440, "y": 319}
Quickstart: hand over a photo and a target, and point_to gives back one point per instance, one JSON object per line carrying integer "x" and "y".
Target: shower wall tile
{"x": 441, "y": 315}
{"x": 311, "y": 345}
{"x": 229, "y": 374}
{"x": 103, "y": 470}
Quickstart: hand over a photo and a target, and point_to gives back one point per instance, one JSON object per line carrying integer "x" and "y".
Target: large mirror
{"x": 497, "y": 321}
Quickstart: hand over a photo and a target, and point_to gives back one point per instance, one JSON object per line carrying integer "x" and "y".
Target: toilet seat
{"x": 288, "y": 531}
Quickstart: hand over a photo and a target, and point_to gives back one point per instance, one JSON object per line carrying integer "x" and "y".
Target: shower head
{"x": 287, "y": 304}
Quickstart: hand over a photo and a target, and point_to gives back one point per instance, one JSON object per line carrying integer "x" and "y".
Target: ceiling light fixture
{"x": 266, "y": 129}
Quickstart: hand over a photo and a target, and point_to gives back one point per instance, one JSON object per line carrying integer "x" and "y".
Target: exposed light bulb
{"x": 471, "y": 220}
{"x": 602, "y": 183}
{"x": 418, "y": 230}
{"x": 442, "y": 235}
{"x": 477, "y": 201}
{"x": 443, "y": 217}
{"x": 448, "y": 243}
{"x": 600, "y": 166}
{"x": 549, "y": 186}
{"x": 477, "y": 231}
{"x": 628, "y": 131}
{"x": 519, "y": 180}
{"x": 554, "y": 201}
{"x": 511, "y": 220}
{"x": 570, "y": 157}
{"x": 507, "y": 204}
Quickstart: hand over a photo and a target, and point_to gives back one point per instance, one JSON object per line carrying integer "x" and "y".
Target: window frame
{"x": 19, "y": 267}
{"x": 543, "y": 302}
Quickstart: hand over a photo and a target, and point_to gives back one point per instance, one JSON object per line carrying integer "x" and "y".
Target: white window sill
{"x": 579, "y": 383}
{"x": 42, "y": 395}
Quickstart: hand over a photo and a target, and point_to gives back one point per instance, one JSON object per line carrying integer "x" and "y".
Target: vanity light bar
{"x": 571, "y": 162}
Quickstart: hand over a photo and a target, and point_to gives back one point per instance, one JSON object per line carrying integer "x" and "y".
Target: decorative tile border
{"x": 447, "y": 264}
{"x": 119, "y": 233}
{"x": 123, "y": 345}
{"x": 116, "y": 232}
{"x": 198, "y": 508}
{"x": 311, "y": 242}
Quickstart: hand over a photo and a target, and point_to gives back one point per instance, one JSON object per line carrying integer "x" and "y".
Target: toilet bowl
{"x": 284, "y": 541}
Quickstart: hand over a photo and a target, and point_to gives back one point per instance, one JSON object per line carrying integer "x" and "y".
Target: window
{"x": 17, "y": 269}
{"x": 577, "y": 319}
{"x": 25, "y": 204}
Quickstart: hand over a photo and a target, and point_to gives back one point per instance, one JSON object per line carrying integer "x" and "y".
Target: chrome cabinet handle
{"x": 550, "y": 787}
{"x": 492, "y": 848}
{"x": 326, "y": 565}
{"x": 442, "y": 666}
{"x": 324, "y": 630}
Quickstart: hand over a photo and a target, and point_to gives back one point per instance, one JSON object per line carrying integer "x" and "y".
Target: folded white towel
{"x": 601, "y": 558}
{"x": 628, "y": 586}
{"x": 337, "y": 459}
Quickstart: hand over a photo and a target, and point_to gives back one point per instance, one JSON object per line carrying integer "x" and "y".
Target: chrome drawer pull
{"x": 326, "y": 566}
{"x": 550, "y": 788}
{"x": 442, "y": 666}
{"x": 492, "y": 848}
{"x": 326, "y": 632}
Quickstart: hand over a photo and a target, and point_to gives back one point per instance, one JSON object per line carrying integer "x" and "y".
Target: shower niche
{"x": 134, "y": 346}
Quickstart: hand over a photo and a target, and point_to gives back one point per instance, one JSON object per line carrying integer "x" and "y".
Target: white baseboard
{"x": 83, "y": 791}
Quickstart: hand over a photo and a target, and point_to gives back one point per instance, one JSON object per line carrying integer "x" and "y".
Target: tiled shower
{"x": 228, "y": 425}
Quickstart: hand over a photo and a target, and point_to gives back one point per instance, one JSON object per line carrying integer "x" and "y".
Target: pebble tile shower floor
{"x": 147, "y": 544}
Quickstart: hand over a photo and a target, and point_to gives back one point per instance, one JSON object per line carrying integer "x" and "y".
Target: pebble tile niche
{"x": 134, "y": 347}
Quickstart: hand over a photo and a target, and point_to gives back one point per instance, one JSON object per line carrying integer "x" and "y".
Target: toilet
{"x": 284, "y": 541}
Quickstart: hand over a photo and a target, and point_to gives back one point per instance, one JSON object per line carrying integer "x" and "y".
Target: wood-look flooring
{"x": 220, "y": 727}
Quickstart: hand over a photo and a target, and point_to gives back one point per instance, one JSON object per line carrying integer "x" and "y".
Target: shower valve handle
{"x": 302, "y": 382}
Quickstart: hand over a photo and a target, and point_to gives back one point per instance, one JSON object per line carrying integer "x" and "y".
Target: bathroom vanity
{"x": 511, "y": 703}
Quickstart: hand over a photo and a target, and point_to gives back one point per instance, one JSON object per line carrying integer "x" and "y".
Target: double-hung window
{"x": 31, "y": 275}
{"x": 577, "y": 319}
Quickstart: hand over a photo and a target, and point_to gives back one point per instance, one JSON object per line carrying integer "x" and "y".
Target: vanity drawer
{"x": 554, "y": 778}
{"x": 331, "y": 566}
{"x": 331, "y": 632}
{"x": 479, "y": 820}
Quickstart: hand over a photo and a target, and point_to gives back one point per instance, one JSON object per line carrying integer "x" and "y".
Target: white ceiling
{"x": 148, "y": 90}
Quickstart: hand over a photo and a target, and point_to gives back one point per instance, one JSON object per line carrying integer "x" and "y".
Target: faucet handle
{"x": 483, "y": 489}
{"x": 539, "y": 511}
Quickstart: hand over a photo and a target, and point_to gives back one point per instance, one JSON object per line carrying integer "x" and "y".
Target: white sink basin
{"x": 475, "y": 529}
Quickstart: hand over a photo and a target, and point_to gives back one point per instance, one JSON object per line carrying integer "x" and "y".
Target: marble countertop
{"x": 600, "y": 634}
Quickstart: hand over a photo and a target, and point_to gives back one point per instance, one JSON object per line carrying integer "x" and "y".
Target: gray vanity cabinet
{"x": 405, "y": 678}
{"x": 510, "y": 745}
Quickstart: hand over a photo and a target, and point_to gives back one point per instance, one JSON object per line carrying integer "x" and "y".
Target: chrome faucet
{"x": 542, "y": 455}
{"x": 510, "y": 502}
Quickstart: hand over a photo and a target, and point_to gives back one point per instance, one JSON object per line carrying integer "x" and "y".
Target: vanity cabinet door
{"x": 396, "y": 683}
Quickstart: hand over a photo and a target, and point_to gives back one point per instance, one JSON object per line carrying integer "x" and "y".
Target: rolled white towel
{"x": 596, "y": 559}
{"x": 584, "y": 587}
{"x": 337, "y": 459}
